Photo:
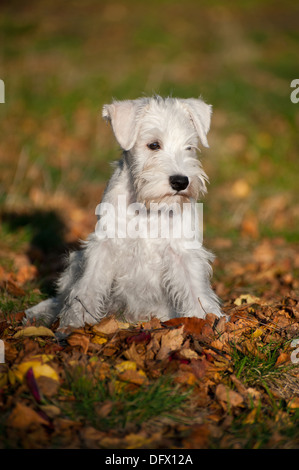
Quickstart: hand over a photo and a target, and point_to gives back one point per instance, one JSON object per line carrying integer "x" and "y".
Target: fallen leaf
{"x": 226, "y": 396}
{"x": 251, "y": 417}
{"x": 99, "y": 339}
{"x": 198, "y": 437}
{"x": 132, "y": 354}
{"x": 141, "y": 440}
{"x": 250, "y": 225}
{"x": 38, "y": 367}
{"x": 26, "y": 273}
{"x": 91, "y": 437}
{"x": 152, "y": 324}
{"x": 142, "y": 337}
{"x": 170, "y": 342}
{"x": 282, "y": 358}
{"x": 23, "y": 417}
{"x": 254, "y": 395}
{"x": 192, "y": 325}
{"x": 246, "y": 299}
{"x": 240, "y": 189}
{"x": 185, "y": 377}
{"x": 104, "y": 408}
{"x": 108, "y": 326}
{"x": 133, "y": 376}
{"x": 78, "y": 339}
{"x": 34, "y": 331}
{"x": 51, "y": 410}
{"x": 293, "y": 404}
{"x": 257, "y": 333}
{"x": 48, "y": 387}
{"x": 12, "y": 288}
{"x": 125, "y": 365}
{"x": 188, "y": 354}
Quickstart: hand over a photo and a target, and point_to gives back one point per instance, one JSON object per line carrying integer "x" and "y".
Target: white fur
{"x": 135, "y": 276}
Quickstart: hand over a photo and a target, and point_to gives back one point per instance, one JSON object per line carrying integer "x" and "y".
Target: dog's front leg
{"x": 186, "y": 279}
{"x": 85, "y": 288}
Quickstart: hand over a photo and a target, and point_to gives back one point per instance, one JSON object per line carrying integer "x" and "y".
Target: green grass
{"x": 259, "y": 367}
{"x": 128, "y": 407}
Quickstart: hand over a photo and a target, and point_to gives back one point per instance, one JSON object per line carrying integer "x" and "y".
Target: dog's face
{"x": 160, "y": 137}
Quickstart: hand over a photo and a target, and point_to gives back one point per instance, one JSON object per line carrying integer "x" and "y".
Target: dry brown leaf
{"x": 23, "y": 417}
{"x": 104, "y": 408}
{"x": 250, "y": 225}
{"x": 47, "y": 386}
{"x": 192, "y": 325}
{"x": 171, "y": 341}
{"x": 293, "y": 404}
{"x": 108, "y": 326}
{"x": 200, "y": 367}
{"x": 152, "y": 324}
{"x": 185, "y": 377}
{"x": 12, "y": 288}
{"x": 26, "y": 273}
{"x": 78, "y": 339}
{"x": 188, "y": 353}
{"x": 283, "y": 358}
{"x": 91, "y": 437}
{"x": 254, "y": 395}
{"x": 198, "y": 438}
{"x": 240, "y": 189}
{"x": 228, "y": 397}
{"x": 132, "y": 354}
{"x": 51, "y": 410}
{"x": 133, "y": 376}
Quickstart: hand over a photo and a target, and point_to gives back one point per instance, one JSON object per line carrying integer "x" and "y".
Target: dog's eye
{"x": 189, "y": 148}
{"x": 154, "y": 146}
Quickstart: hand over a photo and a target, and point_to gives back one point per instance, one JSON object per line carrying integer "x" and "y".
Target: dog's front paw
{"x": 76, "y": 313}
{"x": 43, "y": 313}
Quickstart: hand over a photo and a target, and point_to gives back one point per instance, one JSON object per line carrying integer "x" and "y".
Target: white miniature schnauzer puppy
{"x": 143, "y": 276}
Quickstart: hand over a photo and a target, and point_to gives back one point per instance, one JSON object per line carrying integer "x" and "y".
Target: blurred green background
{"x": 61, "y": 61}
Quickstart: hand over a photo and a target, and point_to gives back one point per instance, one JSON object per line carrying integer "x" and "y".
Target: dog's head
{"x": 160, "y": 139}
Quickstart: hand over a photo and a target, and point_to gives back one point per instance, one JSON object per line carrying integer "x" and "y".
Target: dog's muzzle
{"x": 178, "y": 182}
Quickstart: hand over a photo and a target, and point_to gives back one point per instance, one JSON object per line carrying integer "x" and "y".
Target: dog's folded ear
{"x": 200, "y": 114}
{"x": 122, "y": 116}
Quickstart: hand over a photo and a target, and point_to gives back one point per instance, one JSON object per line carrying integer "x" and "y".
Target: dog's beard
{"x": 147, "y": 193}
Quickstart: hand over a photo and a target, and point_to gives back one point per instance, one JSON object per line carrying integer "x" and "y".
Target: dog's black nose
{"x": 178, "y": 182}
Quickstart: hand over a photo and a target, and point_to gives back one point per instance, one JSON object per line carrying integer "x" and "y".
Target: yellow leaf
{"x": 42, "y": 357}
{"x": 11, "y": 377}
{"x": 34, "y": 331}
{"x": 246, "y": 299}
{"x": 119, "y": 386}
{"x": 99, "y": 340}
{"x": 257, "y": 333}
{"x": 39, "y": 369}
{"x": 251, "y": 417}
{"x": 126, "y": 365}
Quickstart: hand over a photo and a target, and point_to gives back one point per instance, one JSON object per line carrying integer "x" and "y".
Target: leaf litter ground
{"x": 184, "y": 383}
